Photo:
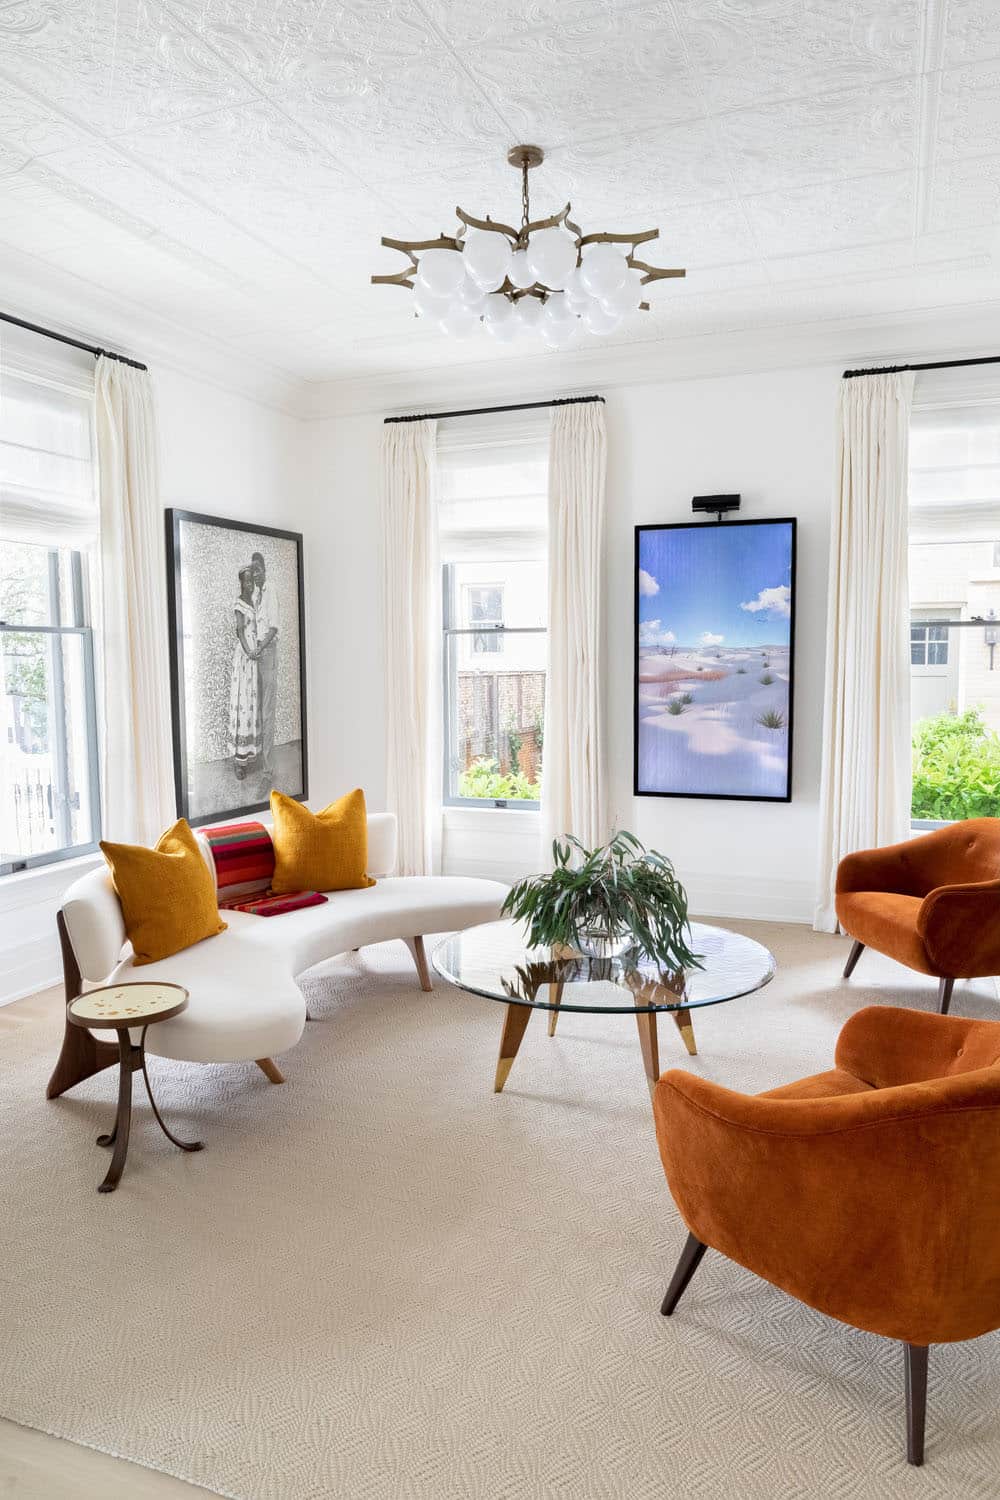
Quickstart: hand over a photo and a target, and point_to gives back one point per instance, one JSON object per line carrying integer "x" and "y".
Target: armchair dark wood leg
{"x": 687, "y": 1265}
{"x": 945, "y": 987}
{"x": 915, "y": 1358}
{"x": 852, "y": 959}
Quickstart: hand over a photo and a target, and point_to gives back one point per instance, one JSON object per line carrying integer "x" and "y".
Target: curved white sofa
{"x": 244, "y": 1002}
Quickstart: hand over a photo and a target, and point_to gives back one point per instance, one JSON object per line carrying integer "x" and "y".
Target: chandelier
{"x": 547, "y": 277}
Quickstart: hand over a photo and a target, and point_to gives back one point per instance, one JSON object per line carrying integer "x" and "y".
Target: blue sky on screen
{"x": 709, "y": 585}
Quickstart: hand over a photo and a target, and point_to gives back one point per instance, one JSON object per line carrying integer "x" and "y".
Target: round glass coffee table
{"x": 492, "y": 960}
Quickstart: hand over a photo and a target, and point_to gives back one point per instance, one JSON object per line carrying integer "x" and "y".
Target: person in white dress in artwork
{"x": 268, "y": 616}
{"x": 244, "y": 691}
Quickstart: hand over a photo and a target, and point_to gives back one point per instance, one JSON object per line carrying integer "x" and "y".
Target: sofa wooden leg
{"x": 852, "y": 959}
{"x": 81, "y": 1055}
{"x": 416, "y": 947}
{"x": 689, "y": 1262}
{"x": 945, "y": 987}
{"x": 915, "y": 1364}
{"x": 270, "y": 1069}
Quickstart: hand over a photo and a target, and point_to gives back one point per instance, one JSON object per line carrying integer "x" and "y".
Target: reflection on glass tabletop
{"x": 493, "y": 960}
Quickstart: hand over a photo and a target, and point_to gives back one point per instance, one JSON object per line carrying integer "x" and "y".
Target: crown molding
{"x": 936, "y": 333}
{"x": 73, "y": 305}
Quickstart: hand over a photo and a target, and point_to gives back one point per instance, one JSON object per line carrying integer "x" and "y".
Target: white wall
{"x": 221, "y": 453}
{"x": 769, "y": 436}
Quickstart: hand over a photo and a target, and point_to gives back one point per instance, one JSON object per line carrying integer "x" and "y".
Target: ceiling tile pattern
{"x": 231, "y": 164}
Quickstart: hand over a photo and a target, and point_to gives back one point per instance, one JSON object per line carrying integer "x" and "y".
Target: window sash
{"x": 15, "y": 862}
{"x": 449, "y": 797}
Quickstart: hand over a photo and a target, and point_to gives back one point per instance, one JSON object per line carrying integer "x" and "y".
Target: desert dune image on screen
{"x": 714, "y": 609}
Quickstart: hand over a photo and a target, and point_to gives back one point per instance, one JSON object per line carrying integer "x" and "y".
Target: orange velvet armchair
{"x": 868, "y": 1192}
{"x": 933, "y": 903}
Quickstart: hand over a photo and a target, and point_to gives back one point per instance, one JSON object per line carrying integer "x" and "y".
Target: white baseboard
{"x": 760, "y": 900}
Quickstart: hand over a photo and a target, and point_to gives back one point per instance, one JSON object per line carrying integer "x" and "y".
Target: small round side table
{"x": 121, "y": 1007}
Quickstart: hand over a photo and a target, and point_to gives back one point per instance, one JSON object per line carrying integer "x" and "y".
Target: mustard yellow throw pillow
{"x": 326, "y": 851}
{"x": 168, "y": 895}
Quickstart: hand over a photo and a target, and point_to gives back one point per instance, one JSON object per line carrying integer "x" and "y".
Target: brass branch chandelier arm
{"x": 397, "y": 278}
{"x": 488, "y": 224}
{"x": 654, "y": 273}
{"x": 443, "y": 242}
{"x": 544, "y": 275}
{"x": 620, "y": 239}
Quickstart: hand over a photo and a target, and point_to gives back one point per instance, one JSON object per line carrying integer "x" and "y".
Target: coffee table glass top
{"x": 493, "y": 961}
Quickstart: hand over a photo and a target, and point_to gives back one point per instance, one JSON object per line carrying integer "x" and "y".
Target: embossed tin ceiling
{"x": 231, "y": 164}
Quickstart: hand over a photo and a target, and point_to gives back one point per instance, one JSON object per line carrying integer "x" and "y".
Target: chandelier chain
{"x": 525, "y": 215}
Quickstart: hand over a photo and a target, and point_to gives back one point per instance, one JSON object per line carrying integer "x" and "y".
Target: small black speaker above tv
{"x": 715, "y": 504}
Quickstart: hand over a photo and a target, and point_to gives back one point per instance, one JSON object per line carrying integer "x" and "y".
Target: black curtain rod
{"x": 63, "y": 338}
{"x": 937, "y": 364}
{"x": 482, "y": 411}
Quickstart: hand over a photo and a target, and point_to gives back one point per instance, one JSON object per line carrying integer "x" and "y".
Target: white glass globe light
{"x": 597, "y": 319}
{"x": 558, "y": 309}
{"x": 471, "y": 294}
{"x": 628, "y": 296}
{"x": 487, "y": 258}
{"x": 441, "y": 271}
{"x": 529, "y": 313}
{"x": 428, "y": 304}
{"x": 575, "y": 292}
{"x": 551, "y": 256}
{"x": 518, "y": 270}
{"x": 603, "y": 270}
{"x": 460, "y": 321}
{"x": 559, "y": 323}
{"x": 501, "y": 319}
{"x": 558, "y": 335}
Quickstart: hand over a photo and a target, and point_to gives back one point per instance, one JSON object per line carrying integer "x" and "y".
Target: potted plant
{"x": 621, "y": 898}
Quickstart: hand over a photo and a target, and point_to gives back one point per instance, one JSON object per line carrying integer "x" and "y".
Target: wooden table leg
{"x": 515, "y": 1021}
{"x": 645, "y": 1020}
{"x": 555, "y": 998}
{"x": 682, "y": 1020}
{"x": 123, "y": 1119}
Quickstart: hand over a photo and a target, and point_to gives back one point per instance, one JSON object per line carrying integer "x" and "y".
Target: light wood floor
{"x": 34, "y": 1466}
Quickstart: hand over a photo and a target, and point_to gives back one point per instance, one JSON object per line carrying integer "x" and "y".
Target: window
{"x": 48, "y": 726}
{"x": 928, "y": 645}
{"x": 484, "y": 606}
{"x": 493, "y": 480}
{"x": 955, "y": 599}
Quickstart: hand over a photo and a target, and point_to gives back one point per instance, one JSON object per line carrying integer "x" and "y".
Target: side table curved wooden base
{"x": 108, "y": 1008}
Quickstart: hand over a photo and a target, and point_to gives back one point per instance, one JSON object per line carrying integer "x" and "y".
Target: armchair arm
{"x": 887, "y": 1046}
{"x": 872, "y": 870}
{"x": 960, "y": 926}
{"x": 836, "y": 1200}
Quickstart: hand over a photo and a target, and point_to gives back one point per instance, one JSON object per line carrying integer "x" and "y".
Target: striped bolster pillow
{"x": 267, "y": 905}
{"x": 242, "y": 852}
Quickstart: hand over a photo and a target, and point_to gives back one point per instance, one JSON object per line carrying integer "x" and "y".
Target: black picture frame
{"x": 174, "y": 520}
{"x": 637, "y": 789}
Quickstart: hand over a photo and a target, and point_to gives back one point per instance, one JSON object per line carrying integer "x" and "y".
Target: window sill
{"x": 59, "y": 873}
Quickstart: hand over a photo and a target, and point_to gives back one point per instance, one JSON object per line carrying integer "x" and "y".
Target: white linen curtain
{"x": 408, "y": 466}
{"x": 865, "y": 789}
{"x": 573, "y": 790}
{"x": 134, "y": 696}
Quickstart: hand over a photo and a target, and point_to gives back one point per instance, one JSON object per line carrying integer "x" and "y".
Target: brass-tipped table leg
{"x": 684, "y": 1024}
{"x": 515, "y": 1023}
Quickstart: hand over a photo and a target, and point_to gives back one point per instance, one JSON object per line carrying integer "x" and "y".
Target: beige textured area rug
{"x": 383, "y": 1282}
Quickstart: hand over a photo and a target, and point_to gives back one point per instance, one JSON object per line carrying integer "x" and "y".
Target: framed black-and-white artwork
{"x": 237, "y": 664}
{"x": 714, "y": 660}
